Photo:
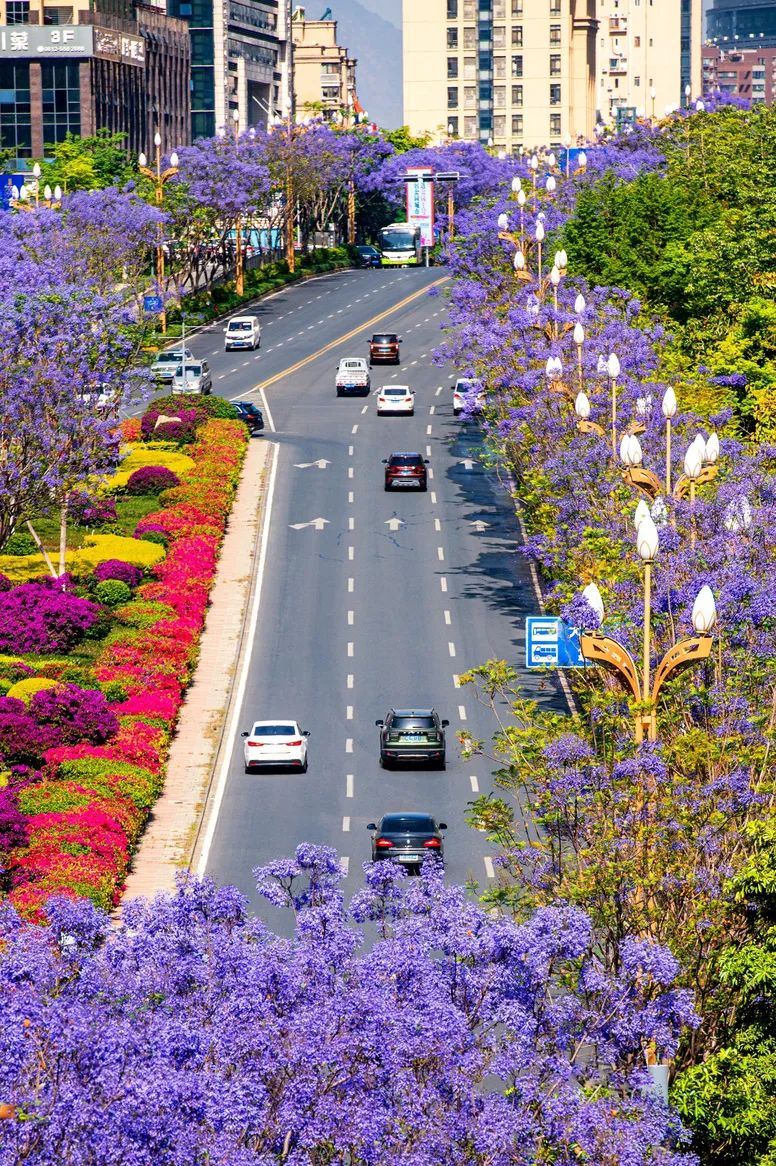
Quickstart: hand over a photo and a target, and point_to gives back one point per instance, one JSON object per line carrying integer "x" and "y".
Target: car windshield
{"x": 240, "y": 326}
{"x": 273, "y": 730}
{"x": 406, "y": 459}
{"x": 398, "y": 392}
{"x": 407, "y": 824}
{"x": 352, "y": 364}
{"x": 169, "y": 358}
{"x": 384, "y": 338}
{"x": 409, "y": 723}
{"x": 192, "y": 370}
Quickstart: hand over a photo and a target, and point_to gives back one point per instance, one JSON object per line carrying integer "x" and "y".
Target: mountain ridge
{"x": 376, "y": 44}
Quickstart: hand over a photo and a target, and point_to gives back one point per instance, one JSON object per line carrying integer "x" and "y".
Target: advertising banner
{"x": 420, "y": 204}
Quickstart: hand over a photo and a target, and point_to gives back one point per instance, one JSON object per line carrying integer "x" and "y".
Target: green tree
{"x": 402, "y": 140}
{"x": 88, "y": 163}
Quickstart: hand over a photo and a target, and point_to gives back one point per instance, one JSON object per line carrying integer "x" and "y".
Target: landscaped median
{"x": 95, "y": 664}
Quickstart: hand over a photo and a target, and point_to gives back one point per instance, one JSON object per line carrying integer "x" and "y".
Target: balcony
{"x": 618, "y": 25}
{"x": 618, "y": 65}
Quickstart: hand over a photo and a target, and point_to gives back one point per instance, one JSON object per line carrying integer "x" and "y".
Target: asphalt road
{"x": 369, "y": 599}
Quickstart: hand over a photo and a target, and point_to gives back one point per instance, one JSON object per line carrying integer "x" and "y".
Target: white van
{"x": 242, "y": 332}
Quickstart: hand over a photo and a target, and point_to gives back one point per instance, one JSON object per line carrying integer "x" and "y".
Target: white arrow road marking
{"x": 318, "y": 523}
{"x": 322, "y": 463}
{"x": 479, "y": 525}
{"x": 394, "y": 523}
{"x": 467, "y": 463}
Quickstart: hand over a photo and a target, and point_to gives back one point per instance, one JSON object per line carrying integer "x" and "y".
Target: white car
{"x": 463, "y": 390}
{"x": 396, "y": 399}
{"x": 242, "y": 332}
{"x": 275, "y": 743}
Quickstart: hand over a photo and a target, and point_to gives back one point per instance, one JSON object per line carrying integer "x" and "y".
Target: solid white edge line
{"x": 239, "y": 694}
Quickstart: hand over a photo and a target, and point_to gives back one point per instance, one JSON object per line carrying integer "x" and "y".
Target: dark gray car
{"x": 407, "y": 836}
{"x": 412, "y": 735}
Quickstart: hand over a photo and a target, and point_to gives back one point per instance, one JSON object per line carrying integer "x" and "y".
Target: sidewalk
{"x": 168, "y": 839}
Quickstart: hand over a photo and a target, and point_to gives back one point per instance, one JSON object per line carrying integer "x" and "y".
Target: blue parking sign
{"x": 552, "y": 643}
{"x": 152, "y": 304}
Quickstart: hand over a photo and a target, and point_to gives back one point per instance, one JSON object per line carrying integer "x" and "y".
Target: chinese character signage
{"x": 551, "y": 643}
{"x": 420, "y": 204}
{"x": 56, "y": 40}
{"x": 119, "y": 46}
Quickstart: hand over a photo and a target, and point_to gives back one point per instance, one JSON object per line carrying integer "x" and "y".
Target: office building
{"x": 240, "y": 61}
{"x": 747, "y": 73}
{"x": 742, "y": 24}
{"x": 647, "y": 55}
{"x": 324, "y": 74}
{"x": 511, "y": 73}
{"x": 89, "y": 65}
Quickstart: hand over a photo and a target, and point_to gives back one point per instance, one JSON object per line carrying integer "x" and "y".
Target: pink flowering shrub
{"x": 151, "y": 480}
{"x": 87, "y": 814}
{"x": 40, "y": 618}
{"x": 57, "y": 716}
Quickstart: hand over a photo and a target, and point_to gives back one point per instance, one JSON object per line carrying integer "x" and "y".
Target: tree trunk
{"x": 42, "y": 549}
{"x": 62, "y": 536}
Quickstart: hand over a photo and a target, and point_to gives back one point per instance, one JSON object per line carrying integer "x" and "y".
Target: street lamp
{"x": 601, "y": 649}
{"x": 613, "y": 371}
{"x": 450, "y": 177}
{"x": 579, "y": 340}
{"x": 159, "y": 178}
{"x": 687, "y": 94}
{"x": 239, "y": 266}
{"x": 652, "y": 96}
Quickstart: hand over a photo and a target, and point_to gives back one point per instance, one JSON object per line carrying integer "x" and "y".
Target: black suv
{"x": 412, "y": 735}
{"x": 366, "y": 256}
{"x": 250, "y": 414}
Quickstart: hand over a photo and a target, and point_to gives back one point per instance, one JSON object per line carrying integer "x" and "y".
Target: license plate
{"x": 409, "y": 858}
{"x": 414, "y": 737}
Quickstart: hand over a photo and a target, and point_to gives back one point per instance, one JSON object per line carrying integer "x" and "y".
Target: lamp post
{"x": 239, "y": 265}
{"x": 613, "y": 371}
{"x": 668, "y": 407}
{"x": 652, "y": 96}
{"x": 601, "y": 649}
{"x": 450, "y": 177}
{"x": 579, "y": 340}
{"x": 159, "y": 178}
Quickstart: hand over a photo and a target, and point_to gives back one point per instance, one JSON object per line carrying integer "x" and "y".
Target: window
{"x": 517, "y": 94}
{"x": 470, "y": 38}
{"x": 470, "y": 127}
{"x": 452, "y": 38}
{"x": 470, "y": 97}
{"x": 637, "y": 81}
{"x": 555, "y": 123}
{"x": 554, "y": 7}
{"x": 15, "y": 119}
{"x": 17, "y": 12}
{"x": 554, "y": 65}
{"x": 517, "y": 7}
{"x": 452, "y": 67}
{"x": 500, "y": 97}
{"x": 637, "y": 42}
{"x": 517, "y": 36}
{"x": 452, "y": 127}
{"x": 500, "y": 67}
{"x": 452, "y": 9}
{"x": 61, "y": 100}
{"x": 554, "y": 34}
{"x": 452, "y": 97}
{"x": 554, "y": 94}
{"x": 517, "y": 66}
{"x": 499, "y": 37}
{"x": 517, "y": 123}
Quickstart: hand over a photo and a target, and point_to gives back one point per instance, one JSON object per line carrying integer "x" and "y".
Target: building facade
{"x": 738, "y": 23}
{"x": 508, "y": 73}
{"x": 647, "y": 55}
{"x": 747, "y": 73}
{"x": 324, "y": 74}
{"x": 240, "y": 61}
{"x": 524, "y": 73}
{"x": 81, "y": 67}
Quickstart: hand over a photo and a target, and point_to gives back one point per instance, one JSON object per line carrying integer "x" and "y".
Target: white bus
{"x": 399, "y": 245}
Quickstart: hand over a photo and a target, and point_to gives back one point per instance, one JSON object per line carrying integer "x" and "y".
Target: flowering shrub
{"x": 96, "y": 549}
{"x": 79, "y": 837}
{"x": 37, "y": 618}
{"x": 179, "y": 425}
{"x": 5, "y": 583}
{"x": 117, "y": 569}
{"x": 77, "y": 714}
{"x": 112, "y": 592}
{"x": 26, "y": 689}
{"x": 13, "y": 825}
{"x": 151, "y": 480}
{"x": 86, "y": 510}
{"x": 151, "y": 453}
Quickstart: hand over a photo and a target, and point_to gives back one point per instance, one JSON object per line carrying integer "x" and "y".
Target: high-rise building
{"x": 240, "y": 60}
{"x": 506, "y": 73}
{"x": 87, "y": 65}
{"x": 324, "y": 73}
{"x": 647, "y": 56}
{"x": 747, "y": 73}
{"x": 742, "y": 24}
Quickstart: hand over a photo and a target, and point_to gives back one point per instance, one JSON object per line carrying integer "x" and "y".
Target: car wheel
{"x": 412, "y": 412}
{"x": 247, "y": 768}
{"x": 387, "y": 488}
{"x": 384, "y": 762}
{"x": 442, "y": 764}
{"x": 304, "y": 767}
{"x": 424, "y": 488}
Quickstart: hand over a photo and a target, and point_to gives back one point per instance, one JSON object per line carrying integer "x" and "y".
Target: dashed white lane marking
{"x": 354, "y": 429}
{"x": 428, "y": 430}
{"x": 430, "y": 472}
{"x": 349, "y": 745}
{"x": 428, "y": 451}
{"x": 441, "y": 554}
{"x": 450, "y": 377}
{"x": 346, "y": 824}
{"x": 439, "y": 390}
{"x": 364, "y": 410}
{"x": 474, "y": 783}
{"x": 351, "y": 648}
{"x": 351, "y": 679}
{"x": 443, "y": 583}
{"x": 351, "y": 618}
{"x": 351, "y": 450}
{"x": 349, "y": 786}
{"x": 351, "y": 471}
{"x": 221, "y": 376}
{"x": 233, "y": 369}
{"x": 351, "y": 584}
{"x": 489, "y": 871}
{"x": 351, "y": 523}
{"x": 432, "y": 409}
{"x": 330, "y": 316}
{"x": 349, "y": 713}
{"x": 246, "y": 363}
{"x": 345, "y": 864}
{"x": 351, "y": 553}
{"x": 456, "y": 680}
{"x": 461, "y": 713}
{"x": 433, "y": 498}
{"x": 351, "y": 496}
{"x": 451, "y": 648}
{"x": 437, "y": 524}
{"x": 448, "y": 618}
{"x": 413, "y": 362}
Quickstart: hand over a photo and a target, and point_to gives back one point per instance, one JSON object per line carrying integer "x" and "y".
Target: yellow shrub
{"x": 150, "y": 453}
{"x": 26, "y": 689}
{"x": 96, "y": 549}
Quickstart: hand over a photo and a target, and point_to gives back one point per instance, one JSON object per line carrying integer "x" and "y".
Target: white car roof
{"x": 244, "y": 320}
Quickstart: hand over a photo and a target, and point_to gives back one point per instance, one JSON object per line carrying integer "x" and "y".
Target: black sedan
{"x": 408, "y": 837}
{"x": 251, "y": 414}
{"x": 366, "y": 256}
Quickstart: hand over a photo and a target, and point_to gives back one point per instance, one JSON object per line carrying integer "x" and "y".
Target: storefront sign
{"x": 56, "y": 40}
{"x": 119, "y": 46}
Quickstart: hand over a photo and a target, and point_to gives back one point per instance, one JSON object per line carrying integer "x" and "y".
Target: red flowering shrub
{"x": 39, "y": 618}
{"x": 151, "y": 480}
{"x": 117, "y": 569}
